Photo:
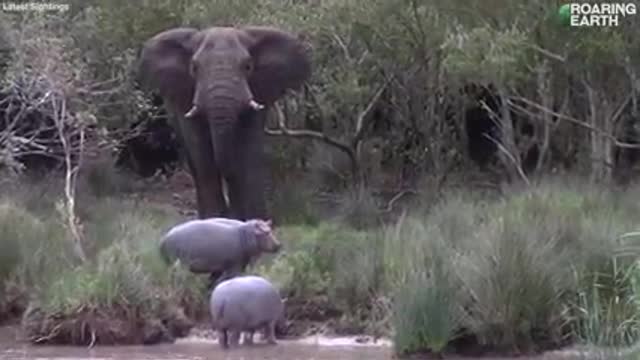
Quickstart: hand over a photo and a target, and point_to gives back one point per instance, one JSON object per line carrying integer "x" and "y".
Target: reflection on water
{"x": 196, "y": 349}
{"x": 312, "y": 348}
{"x": 201, "y": 351}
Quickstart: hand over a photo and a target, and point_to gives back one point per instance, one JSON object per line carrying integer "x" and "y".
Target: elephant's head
{"x": 218, "y": 73}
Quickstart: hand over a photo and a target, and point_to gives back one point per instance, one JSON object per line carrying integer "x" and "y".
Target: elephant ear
{"x": 281, "y": 62}
{"x": 164, "y": 65}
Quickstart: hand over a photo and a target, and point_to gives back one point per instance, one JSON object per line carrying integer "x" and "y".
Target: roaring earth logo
{"x": 595, "y": 14}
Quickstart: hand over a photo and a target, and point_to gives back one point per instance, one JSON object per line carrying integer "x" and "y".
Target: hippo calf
{"x": 245, "y": 304}
{"x": 218, "y": 246}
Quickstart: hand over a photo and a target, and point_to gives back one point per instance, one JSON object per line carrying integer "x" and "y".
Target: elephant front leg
{"x": 206, "y": 175}
{"x": 247, "y": 195}
{"x": 247, "y": 173}
{"x": 236, "y": 197}
{"x": 211, "y": 202}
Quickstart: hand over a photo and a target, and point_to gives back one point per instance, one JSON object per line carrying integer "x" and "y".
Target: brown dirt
{"x": 309, "y": 316}
{"x": 176, "y": 190}
{"x": 116, "y": 326}
{"x": 13, "y": 303}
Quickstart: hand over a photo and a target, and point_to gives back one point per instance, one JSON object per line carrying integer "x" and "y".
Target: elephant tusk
{"x": 255, "y": 105}
{"x": 192, "y": 112}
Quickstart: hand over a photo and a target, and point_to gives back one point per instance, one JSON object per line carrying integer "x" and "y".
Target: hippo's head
{"x": 265, "y": 237}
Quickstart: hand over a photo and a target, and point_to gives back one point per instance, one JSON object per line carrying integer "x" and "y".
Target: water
{"x": 197, "y": 348}
{"x": 283, "y": 351}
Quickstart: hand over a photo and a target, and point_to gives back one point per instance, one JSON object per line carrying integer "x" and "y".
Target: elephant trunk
{"x": 222, "y": 100}
{"x": 222, "y": 123}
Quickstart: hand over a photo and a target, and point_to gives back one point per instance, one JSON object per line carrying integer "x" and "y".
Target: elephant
{"x": 217, "y": 84}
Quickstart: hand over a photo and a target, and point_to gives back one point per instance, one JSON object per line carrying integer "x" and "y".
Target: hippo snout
{"x": 275, "y": 245}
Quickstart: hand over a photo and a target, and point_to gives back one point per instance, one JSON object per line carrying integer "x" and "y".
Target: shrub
{"x": 124, "y": 293}
{"x": 426, "y": 314}
{"x": 532, "y": 270}
{"x": 331, "y": 268}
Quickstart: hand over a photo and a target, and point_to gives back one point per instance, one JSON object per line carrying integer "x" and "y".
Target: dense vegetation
{"x": 432, "y": 214}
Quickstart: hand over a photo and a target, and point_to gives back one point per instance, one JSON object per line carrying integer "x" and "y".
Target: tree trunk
{"x": 602, "y": 146}
{"x": 508, "y": 151}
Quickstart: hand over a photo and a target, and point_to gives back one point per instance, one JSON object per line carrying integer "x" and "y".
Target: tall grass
{"x": 524, "y": 266}
{"x": 125, "y": 281}
{"x": 534, "y": 269}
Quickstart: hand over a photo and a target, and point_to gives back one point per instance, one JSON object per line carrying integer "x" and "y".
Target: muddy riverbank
{"x": 202, "y": 346}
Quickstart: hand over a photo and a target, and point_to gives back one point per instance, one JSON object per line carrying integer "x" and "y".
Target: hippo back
{"x": 245, "y": 302}
{"x": 225, "y": 221}
{"x": 203, "y": 245}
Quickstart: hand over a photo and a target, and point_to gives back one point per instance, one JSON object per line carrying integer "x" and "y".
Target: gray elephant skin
{"x": 245, "y": 304}
{"x": 218, "y": 246}
{"x": 218, "y": 84}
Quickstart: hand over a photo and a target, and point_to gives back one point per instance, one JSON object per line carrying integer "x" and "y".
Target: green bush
{"x": 606, "y": 311}
{"x": 427, "y": 314}
{"x": 330, "y": 262}
{"x": 530, "y": 271}
{"x": 34, "y": 249}
{"x": 527, "y": 271}
{"x": 524, "y": 272}
{"x": 16, "y": 226}
{"x": 124, "y": 288}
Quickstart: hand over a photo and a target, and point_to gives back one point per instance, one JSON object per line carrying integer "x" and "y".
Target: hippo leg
{"x": 223, "y": 339}
{"x": 270, "y": 333}
{"x": 230, "y": 272}
{"x": 215, "y": 278}
{"x": 281, "y": 326}
{"x": 234, "y": 338}
{"x": 245, "y": 263}
{"x": 248, "y": 337}
{"x": 225, "y": 276}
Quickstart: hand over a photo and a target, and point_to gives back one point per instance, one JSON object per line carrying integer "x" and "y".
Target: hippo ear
{"x": 257, "y": 228}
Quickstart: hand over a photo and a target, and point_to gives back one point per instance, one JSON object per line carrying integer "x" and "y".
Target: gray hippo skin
{"x": 245, "y": 304}
{"x": 218, "y": 246}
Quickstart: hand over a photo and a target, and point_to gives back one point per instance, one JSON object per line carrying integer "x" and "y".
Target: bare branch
{"x": 70, "y": 179}
{"x": 343, "y": 46}
{"x": 310, "y": 134}
{"x": 511, "y": 157}
{"x": 397, "y": 197}
{"x": 360, "y": 121}
{"x": 548, "y": 53}
{"x": 573, "y": 120}
{"x": 623, "y": 104}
